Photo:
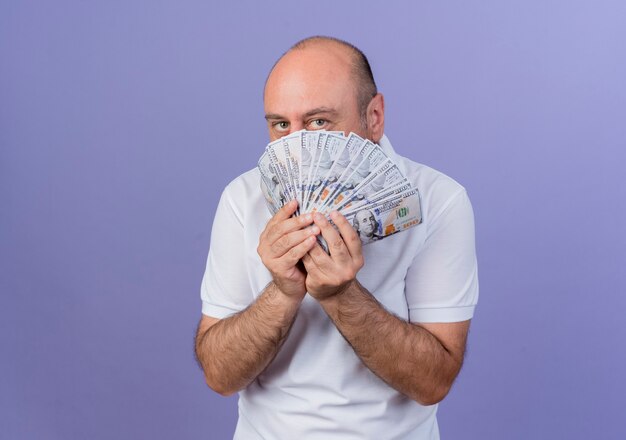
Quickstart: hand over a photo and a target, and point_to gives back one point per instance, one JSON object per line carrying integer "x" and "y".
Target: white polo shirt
{"x": 317, "y": 387}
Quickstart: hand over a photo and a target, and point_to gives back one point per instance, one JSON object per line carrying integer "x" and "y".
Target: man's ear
{"x": 376, "y": 117}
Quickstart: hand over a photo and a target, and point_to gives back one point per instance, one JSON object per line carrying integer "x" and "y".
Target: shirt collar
{"x": 386, "y": 146}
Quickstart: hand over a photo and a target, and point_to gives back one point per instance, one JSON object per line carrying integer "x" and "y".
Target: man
{"x": 359, "y": 343}
{"x": 365, "y": 225}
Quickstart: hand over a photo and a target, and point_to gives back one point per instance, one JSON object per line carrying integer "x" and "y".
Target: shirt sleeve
{"x": 225, "y": 286}
{"x": 442, "y": 282}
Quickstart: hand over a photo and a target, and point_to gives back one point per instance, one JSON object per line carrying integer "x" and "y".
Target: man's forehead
{"x": 319, "y": 54}
{"x": 309, "y": 71}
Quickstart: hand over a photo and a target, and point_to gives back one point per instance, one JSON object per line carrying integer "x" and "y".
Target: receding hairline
{"x": 321, "y": 40}
{"x": 360, "y": 67}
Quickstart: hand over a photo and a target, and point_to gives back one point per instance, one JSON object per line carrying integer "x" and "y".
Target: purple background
{"x": 121, "y": 122}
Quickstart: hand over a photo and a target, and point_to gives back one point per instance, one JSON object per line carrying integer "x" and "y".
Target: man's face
{"x": 367, "y": 223}
{"x": 312, "y": 89}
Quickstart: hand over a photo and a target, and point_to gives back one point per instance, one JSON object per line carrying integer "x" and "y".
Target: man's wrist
{"x": 281, "y": 299}
{"x": 336, "y": 297}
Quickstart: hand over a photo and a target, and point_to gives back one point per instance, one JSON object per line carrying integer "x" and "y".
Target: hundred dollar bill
{"x": 376, "y": 222}
{"x": 377, "y": 201}
{"x": 385, "y": 175}
{"x": 317, "y": 150}
{"x": 394, "y": 191}
{"x": 270, "y": 184}
{"x": 367, "y": 163}
{"x": 355, "y": 172}
{"x": 350, "y": 149}
{"x": 269, "y": 201}
{"x": 276, "y": 153}
{"x": 293, "y": 154}
{"x": 308, "y": 144}
{"x": 331, "y": 145}
{"x": 327, "y": 146}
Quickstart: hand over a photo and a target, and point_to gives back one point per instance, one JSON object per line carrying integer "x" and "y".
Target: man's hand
{"x": 327, "y": 275}
{"x": 282, "y": 244}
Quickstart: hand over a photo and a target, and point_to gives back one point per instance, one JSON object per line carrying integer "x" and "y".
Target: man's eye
{"x": 318, "y": 123}
{"x": 282, "y": 125}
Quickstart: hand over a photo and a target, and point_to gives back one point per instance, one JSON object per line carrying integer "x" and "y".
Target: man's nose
{"x": 295, "y": 126}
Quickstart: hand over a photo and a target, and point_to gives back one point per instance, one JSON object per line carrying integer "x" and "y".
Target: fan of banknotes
{"x": 326, "y": 171}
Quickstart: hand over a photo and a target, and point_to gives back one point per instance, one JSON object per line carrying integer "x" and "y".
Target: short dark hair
{"x": 365, "y": 84}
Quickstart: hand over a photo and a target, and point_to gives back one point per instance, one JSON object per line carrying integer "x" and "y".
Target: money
{"x": 278, "y": 164}
{"x": 365, "y": 175}
{"x": 387, "y": 217}
{"x": 293, "y": 156}
{"x": 334, "y": 177}
{"x": 330, "y": 152}
{"x": 386, "y": 176}
{"x": 327, "y": 171}
{"x": 270, "y": 184}
{"x": 358, "y": 200}
{"x": 308, "y": 144}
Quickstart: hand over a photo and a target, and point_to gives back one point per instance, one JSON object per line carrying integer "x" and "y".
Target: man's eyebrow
{"x": 315, "y": 111}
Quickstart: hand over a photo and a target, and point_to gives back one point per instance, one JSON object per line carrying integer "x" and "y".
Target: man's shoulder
{"x": 434, "y": 186}
{"x": 244, "y": 197}
{"x": 245, "y": 186}
{"x": 438, "y": 192}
